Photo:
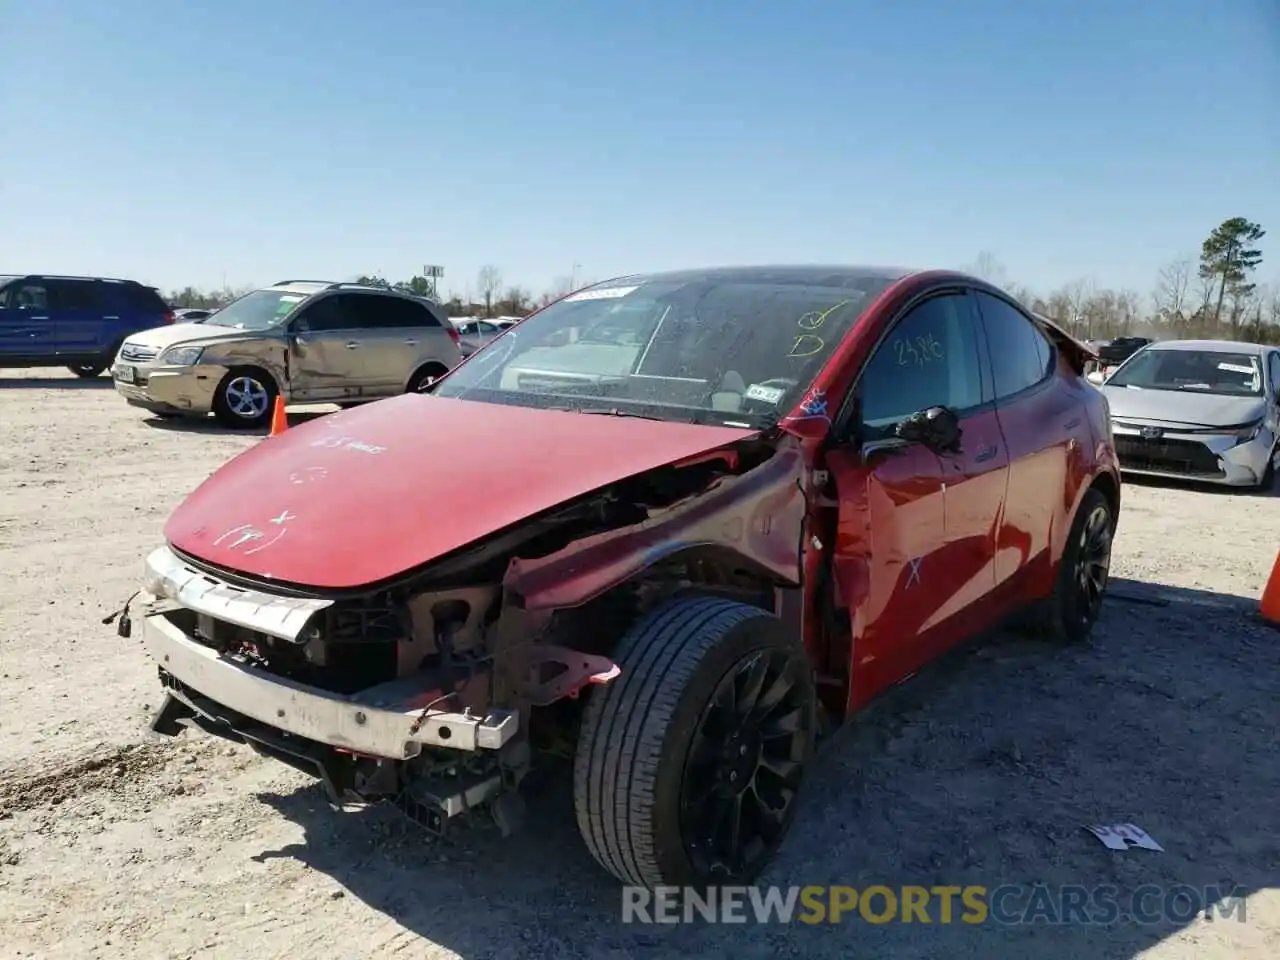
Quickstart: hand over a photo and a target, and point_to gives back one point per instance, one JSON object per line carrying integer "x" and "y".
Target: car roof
{"x": 1211, "y": 346}
{"x": 70, "y": 276}
{"x": 818, "y": 275}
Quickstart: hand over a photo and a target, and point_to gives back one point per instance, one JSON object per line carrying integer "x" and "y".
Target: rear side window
{"x": 130, "y": 297}
{"x": 1021, "y": 355}
{"x": 392, "y": 313}
{"x": 74, "y": 295}
{"x": 145, "y": 299}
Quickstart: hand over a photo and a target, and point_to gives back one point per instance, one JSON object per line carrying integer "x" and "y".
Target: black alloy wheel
{"x": 744, "y": 766}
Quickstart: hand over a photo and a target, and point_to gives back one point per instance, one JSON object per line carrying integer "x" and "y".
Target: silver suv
{"x": 310, "y": 341}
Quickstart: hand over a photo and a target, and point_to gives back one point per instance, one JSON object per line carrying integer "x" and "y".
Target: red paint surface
{"x": 448, "y": 472}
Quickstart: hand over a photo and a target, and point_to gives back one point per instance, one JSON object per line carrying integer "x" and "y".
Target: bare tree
{"x": 1172, "y": 293}
{"x": 1023, "y": 294}
{"x": 988, "y": 268}
{"x": 1075, "y": 299}
{"x": 1129, "y": 311}
{"x": 488, "y": 280}
{"x": 558, "y": 289}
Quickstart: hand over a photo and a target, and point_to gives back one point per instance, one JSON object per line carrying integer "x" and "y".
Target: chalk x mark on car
{"x": 914, "y": 576}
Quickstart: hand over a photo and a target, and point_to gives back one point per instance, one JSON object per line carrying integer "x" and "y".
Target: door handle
{"x": 411, "y": 343}
{"x": 39, "y": 318}
{"x": 352, "y": 344}
{"x": 110, "y": 318}
{"x": 986, "y": 454}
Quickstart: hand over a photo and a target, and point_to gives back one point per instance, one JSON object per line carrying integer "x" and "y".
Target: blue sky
{"x": 189, "y": 143}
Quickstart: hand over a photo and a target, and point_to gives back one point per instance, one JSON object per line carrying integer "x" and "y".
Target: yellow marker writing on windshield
{"x": 806, "y": 346}
{"x": 813, "y": 320}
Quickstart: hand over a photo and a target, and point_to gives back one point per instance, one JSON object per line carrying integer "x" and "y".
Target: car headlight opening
{"x": 182, "y": 356}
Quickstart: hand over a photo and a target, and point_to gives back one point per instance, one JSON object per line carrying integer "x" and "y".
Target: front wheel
{"x": 689, "y": 764}
{"x": 244, "y": 399}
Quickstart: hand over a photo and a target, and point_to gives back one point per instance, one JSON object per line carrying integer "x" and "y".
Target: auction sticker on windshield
{"x": 764, "y": 394}
{"x": 600, "y": 293}
{"x": 1236, "y": 367}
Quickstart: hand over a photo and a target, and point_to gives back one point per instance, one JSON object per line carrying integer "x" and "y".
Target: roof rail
{"x": 285, "y": 283}
{"x": 72, "y": 276}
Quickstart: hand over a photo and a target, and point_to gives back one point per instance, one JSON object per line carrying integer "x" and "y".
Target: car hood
{"x": 205, "y": 331}
{"x": 1182, "y": 406}
{"x": 357, "y": 497}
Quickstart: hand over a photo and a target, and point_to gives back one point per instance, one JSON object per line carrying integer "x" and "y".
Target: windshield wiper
{"x": 614, "y": 412}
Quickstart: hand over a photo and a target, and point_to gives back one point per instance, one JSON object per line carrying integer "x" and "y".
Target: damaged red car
{"x": 675, "y": 526}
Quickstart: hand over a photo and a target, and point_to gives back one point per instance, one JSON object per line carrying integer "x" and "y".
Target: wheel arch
{"x": 702, "y": 566}
{"x": 1108, "y": 485}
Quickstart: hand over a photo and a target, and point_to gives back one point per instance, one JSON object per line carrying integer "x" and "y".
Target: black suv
{"x": 1118, "y": 351}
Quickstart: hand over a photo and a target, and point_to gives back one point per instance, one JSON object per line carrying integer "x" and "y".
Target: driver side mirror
{"x": 937, "y": 428}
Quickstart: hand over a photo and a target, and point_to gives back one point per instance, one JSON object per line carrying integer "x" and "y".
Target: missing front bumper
{"x": 382, "y": 721}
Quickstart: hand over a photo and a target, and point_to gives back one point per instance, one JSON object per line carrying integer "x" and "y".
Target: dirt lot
{"x": 981, "y": 771}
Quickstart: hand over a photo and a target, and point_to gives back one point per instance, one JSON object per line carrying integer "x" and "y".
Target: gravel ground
{"x": 981, "y": 770}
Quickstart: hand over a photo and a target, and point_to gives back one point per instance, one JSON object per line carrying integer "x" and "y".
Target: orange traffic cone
{"x": 1269, "y": 607}
{"x": 279, "y": 422}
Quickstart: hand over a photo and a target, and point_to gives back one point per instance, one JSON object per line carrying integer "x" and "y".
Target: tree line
{"x": 1211, "y": 294}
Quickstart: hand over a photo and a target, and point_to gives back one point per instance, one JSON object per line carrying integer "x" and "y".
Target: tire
{"x": 1068, "y": 614}
{"x": 639, "y": 733}
{"x": 420, "y": 377}
{"x": 87, "y": 371}
{"x": 231, "y": 400}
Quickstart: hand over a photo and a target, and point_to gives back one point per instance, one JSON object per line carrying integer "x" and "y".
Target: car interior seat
{"x": 728, "y": 399}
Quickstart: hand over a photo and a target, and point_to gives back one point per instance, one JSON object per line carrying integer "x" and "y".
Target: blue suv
{"x": 73, "y": 322}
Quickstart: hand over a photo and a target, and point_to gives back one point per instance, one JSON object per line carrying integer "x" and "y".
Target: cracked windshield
{"x": 702, "y": 350}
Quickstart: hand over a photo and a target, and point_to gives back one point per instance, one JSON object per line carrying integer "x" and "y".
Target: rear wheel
{"x": 1069, "y": 613}
{"x": 689, "y": 765}
{"x": 421, "y": 379}
{"x": 87, "y": 370}
{"x": 244, "y": 398}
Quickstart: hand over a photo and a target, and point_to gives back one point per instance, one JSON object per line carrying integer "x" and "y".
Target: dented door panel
{"x": 887, "y": 558}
